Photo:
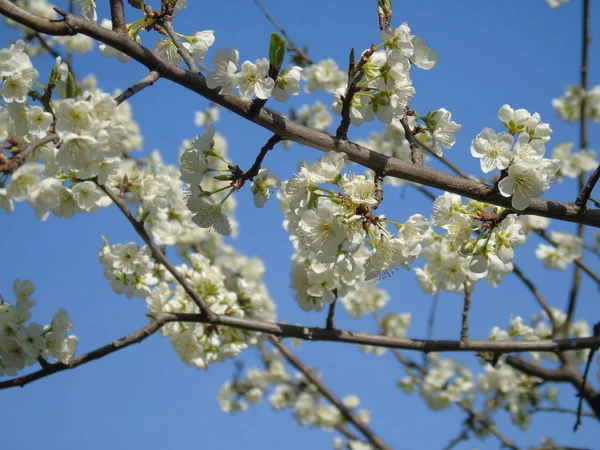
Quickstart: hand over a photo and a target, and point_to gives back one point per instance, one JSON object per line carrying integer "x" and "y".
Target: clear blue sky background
{"x": 518, "y": 52}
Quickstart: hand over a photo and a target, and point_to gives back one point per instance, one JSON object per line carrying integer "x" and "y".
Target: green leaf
{"x": 71, "y": 87}
{"x": 276, "y": 51}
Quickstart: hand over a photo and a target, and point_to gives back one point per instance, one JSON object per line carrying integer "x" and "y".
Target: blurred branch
{"x": 291, "y": 44}
{"x": 329, "y": 395}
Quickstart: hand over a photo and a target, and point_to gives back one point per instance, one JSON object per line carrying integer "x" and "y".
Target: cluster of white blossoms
{"x": 392, "y": 325}
{"x": 382, "y": 85}
{"x": 540, "y": 327}
{"x": 573, "y": 164}
{"x": 314, "y": 116}
{"x": 566, "y": 249}
{"x": 437, "y": 131}
{"x": 477, "y": 243}
{"x": 514, "y": 391}
{"x": 329, "y": 225}
{"x": 284, "y": 391}
{"x": 17, "y": 74}
{"x": 568, "y": 107}
{"x": 556, "y": 3}
{"x": 526, "y": 174}
{"x": 254, "y": 78}
{"x": 209, "y": 194}
{"x": 129, "y": 268}
{"x": 92, "y": 132}
{"x": 446, "y": 382}
{"x": 24, "y": 343}
{"x": 226, "y": 290}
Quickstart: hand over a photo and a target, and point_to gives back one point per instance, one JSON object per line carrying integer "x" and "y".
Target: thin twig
{"x": 167, "y": 24}
{"x": 133, "y": 338}
{"x": 536, "y": 293}
{"x": 462, "y": 436}
{"x": 270, "y": 145}
{"x": 581, "y": 200}
{"x": 586, "y": 192}
{"x": 158, "y": 254}
{"x": 145, "y": 82}
{"x": 291, "y": 44}
{"x": 560, "y": 410}
{"x": 415, "y": 149}
{"x": 21, "y": 157}
{"x": 431, "y": 317}
{"x": 327, "y": 393}
{"x": 464, "y": 331}
{"x": 283, "y": 330}
{"x": 330, "y": 314}
{"x": 580, "y": 394}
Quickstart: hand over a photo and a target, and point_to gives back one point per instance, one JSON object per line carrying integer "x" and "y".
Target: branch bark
{"x": 145, "y": 82}
{"x": 289, "y": 130}
{"x": 133, "y": 338}
{"x": 117, "y": 14}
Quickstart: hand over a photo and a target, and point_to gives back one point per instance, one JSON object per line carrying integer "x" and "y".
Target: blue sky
{"x": 491, "y": 53}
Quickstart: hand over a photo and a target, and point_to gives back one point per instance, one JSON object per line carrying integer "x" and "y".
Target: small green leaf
{"x": 276, "y": 51}
{"x": 71, "y": 87}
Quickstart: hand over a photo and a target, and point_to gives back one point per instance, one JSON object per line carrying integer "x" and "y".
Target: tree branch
{"x": 270, "y": 145}
{"x": 537, "y": 294}
{"x": 145, "y": 82}
{"x": 117, "y": 14}
{"x": 133, "y": 338}
{"x": 330, "y": 314}
{"x": 167, "y": 24}
{"x": 350, "y": 337}
{"x": 464, "y": 332}
{"x": 327, "y": 393}
{"x": 415, "y": 149}
{"x": 295, "y": 132}
{"x": 159, "y": 256}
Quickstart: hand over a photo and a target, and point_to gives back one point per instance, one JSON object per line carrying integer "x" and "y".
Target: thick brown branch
{"x": 117, "y": 14}
{"x": 329, "y": 395}
{"x": 289, "y": 130}
{"x": 145, "y": 82}
{"x": 114, "y": 346}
